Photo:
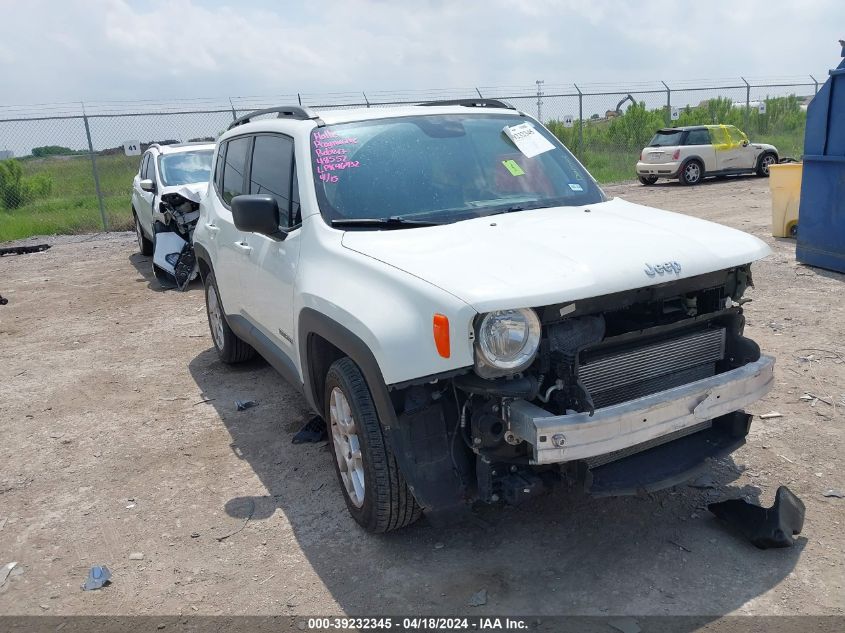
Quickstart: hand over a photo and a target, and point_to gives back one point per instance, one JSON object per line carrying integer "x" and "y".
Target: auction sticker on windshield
{"x": 529, "y": 141}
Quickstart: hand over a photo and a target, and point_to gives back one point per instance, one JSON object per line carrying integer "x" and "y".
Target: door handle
{"x": 212, "y": 227}
{"x": 246, "y": 248}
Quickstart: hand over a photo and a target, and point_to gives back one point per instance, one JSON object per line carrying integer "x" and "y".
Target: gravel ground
{"x": 120, "y": 437}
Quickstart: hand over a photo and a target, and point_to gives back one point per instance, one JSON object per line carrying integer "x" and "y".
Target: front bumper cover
{"x": 566, "y": 438}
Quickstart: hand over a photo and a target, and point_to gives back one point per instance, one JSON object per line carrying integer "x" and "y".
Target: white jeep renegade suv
{"x": 471, "y": 315}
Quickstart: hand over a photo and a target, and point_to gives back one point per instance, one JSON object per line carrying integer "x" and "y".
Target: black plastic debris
{"x": 764, "y": 527}
{"x": 243, "y": 405}
{"x": 98, "y": 576}
{"x": 23, "y": 250}
{"x": 3, "y": 300}
{"x": 314, "y": 431}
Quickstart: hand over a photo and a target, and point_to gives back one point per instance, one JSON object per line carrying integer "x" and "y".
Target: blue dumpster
{"x": 821, "y": 228}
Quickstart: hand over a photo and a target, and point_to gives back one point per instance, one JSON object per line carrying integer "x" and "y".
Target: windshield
{"x": 442, "y": 168}
{"x": 664, "y": 139}
{"x": 185, "y": 167}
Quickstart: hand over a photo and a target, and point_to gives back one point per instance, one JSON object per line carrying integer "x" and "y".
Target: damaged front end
{"x": 626, "y": 393}
{"x": 174, "y": 262}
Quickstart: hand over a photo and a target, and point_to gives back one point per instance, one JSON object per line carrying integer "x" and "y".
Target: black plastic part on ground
{"x": 315, "y": 430}
{"x": 23, "y": 250}
{"x": 764, "y": 527}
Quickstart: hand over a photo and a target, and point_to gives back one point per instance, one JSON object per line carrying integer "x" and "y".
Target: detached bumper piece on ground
{"x": 23, "y": 250}
{"x": 764, "y": 527}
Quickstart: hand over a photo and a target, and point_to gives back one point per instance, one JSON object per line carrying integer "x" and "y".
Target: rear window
{"x": 667, "y": 138}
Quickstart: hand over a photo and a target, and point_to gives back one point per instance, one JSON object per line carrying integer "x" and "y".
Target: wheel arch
{"x": 768, "y": 152}
{"x": 689, "y": 159}
{"x": 322, "y": 340}
{"x": 203, "y": 260}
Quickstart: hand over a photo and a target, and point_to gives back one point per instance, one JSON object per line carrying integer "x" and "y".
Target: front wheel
{"x": 647, "y": 180}
{"x": 145, "y": 246}
{"x": 763, "y": 164}
{"x": 375, "y": 491}
{"x": 692, "y": 173}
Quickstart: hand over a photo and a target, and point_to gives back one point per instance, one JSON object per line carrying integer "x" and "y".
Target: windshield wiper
{"x": 528, "y": 206}
{"x": 391, "y": 222}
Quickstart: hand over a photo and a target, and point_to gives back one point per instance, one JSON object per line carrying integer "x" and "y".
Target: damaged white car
{"x": 471, "y": 315}
{"x": 166, "y": 193}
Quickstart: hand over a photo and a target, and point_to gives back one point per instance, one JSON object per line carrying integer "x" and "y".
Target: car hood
{"x": 546, "y": 256}
{"x": 192, "y": 191}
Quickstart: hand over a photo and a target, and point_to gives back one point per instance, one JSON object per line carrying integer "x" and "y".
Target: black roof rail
{"x": 284, "y": 112}
{"x": 471, "y": 103}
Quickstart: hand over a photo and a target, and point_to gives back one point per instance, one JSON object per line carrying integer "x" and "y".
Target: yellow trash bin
{"x": 785, "y": 183}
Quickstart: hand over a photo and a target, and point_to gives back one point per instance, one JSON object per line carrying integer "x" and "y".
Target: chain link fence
{"x": 63, "y": 168}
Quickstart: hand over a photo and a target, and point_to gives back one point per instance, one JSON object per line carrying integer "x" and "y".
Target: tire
{"x": 374, "y": 490}
{"x": 229, "y": 347}
{"x": 793, "y": 230}
{"x": 647, "y": 180}
{"x": 764, "y": 162}
{"x": 691, "y": 173}
{"x": 145, "y": 246}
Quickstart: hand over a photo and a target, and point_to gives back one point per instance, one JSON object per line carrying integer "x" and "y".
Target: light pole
{"x": 539, "y": 83}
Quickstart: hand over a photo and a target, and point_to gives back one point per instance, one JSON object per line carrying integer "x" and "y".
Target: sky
{"x": 97, "y": 50}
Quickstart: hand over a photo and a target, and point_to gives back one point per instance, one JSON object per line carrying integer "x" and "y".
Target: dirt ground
{"x": 120, "y": 436}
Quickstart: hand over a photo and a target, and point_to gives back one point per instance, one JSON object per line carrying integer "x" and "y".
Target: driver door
{"x": 144, "y": 201}
{"x": 745, "y": 153}
{"x": 728, "y": 150}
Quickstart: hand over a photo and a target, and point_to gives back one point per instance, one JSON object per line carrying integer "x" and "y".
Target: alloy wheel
{"x": 347, "y": 447}
{"x": 215, "y": 316}
{"x": 692, "y": 172}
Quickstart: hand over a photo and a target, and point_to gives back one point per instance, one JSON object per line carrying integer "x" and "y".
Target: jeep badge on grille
{"x": 663, "y": 269}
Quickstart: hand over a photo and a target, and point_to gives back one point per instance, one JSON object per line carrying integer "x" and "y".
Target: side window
{"x": 143, "y": 166}
{"x": 270, "y": 172}
{"x": 150, "y": 169}
{"x": 698, "y": 137}
{"x": 720, "y": 137}
{"x": 737, "y": 137}
{"x": 218, "y": 168}
{"x": 234, "y": 166}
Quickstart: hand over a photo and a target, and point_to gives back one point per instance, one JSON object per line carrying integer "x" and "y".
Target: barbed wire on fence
{"x": 68, "y": 171}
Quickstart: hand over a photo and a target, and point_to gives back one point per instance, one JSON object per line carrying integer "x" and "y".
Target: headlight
{"x": 506, "y": 342}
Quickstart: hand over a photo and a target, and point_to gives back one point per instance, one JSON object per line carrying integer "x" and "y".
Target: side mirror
{"x": 148, "y": 185}
{"x": 257, "y": 214}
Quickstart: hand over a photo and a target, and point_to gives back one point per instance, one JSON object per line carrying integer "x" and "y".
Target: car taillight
{"x": 676, "y": 155}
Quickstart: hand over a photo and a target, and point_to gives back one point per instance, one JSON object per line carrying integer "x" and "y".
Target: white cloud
{"x": 122, "y": 49}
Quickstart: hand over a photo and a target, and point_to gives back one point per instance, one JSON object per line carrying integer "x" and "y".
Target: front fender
{"x": 389, "y": 310}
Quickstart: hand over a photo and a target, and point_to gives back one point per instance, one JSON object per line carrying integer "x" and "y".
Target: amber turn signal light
{"x": 440, "y": 325}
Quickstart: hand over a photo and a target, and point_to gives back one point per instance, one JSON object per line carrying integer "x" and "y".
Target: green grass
{"x": 607, "y": 166}
{"x": 72, "y": 206}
